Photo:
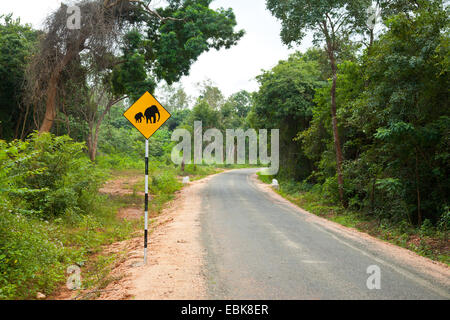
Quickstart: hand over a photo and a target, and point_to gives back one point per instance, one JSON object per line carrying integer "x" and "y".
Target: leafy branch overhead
{"x": 156, "y": 44}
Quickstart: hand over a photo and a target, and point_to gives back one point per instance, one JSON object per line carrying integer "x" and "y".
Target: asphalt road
{"x": 258, "y": 247}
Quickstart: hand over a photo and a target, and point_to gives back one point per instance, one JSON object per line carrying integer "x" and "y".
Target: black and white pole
{"x": 146, "y": 203}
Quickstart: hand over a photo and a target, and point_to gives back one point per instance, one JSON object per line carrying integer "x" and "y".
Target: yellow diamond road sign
{"x": 147, "y": 115}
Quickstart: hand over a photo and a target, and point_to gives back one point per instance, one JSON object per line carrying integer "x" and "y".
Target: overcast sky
{"x": 231, "y": 70}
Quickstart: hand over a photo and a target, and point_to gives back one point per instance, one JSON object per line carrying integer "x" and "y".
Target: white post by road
{"x": 146, "y": 202}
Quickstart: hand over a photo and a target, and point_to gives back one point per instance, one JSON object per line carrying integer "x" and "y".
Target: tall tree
{"x": 235, "y": 110}
{"x": 333, "y": 22}
{"x": 17, "y": 42}
{"x": 175, "y": 36}
{"x": 175, "y": 98}
{"x": 61, "y": 46}
{"x": 411, "y": 64}
{"x": 285, "y": 101}
{"x": 211, "y": 94}
{"x": 209, "y": 116}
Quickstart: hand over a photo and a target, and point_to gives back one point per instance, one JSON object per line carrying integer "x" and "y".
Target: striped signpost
{"x": 147, "y": 115}
{"x": 146, "y": 202}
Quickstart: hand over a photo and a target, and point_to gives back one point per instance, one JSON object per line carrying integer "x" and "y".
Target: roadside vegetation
{"x": 51, "y": 213}
{"x": 363, "y": 115}
{"x": 390, "y": 175}
{"x": 62, "y": 133}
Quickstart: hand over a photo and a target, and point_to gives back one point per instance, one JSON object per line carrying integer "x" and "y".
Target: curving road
{"x": 259, "y": 246}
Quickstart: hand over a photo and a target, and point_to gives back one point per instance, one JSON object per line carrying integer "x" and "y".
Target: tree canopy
{"x": 285, "y": 101}
{"x": 156, "y": 44}
{"x": 17, "y": 44}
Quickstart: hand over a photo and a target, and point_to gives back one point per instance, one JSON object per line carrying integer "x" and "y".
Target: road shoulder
{"x": 175, "y": 257}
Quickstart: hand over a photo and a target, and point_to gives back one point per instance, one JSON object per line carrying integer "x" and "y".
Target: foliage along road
{"x": 260, "y": 246}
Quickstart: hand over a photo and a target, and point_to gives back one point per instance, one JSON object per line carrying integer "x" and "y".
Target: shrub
{"x": 444, "y": 222}
{"x": 164, "y": 182}
{"x": 48, "y": 175}
{"x": 120, "y": 162}
{"x": 330, "y": 189}
{"x": 29, "y": 260}
{"x": 427, "y": 229}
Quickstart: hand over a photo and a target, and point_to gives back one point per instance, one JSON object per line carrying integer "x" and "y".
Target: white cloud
{"x": 261, "y": 48}
{"x": 30, "y": 11}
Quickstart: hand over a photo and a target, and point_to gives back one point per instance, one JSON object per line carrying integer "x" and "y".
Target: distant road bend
{"x": 259, "y": 246}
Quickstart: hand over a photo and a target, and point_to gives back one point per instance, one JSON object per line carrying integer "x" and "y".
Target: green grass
{"x": 51, "y": 246}
{"x": 432, "y": 243}
{"x": 119, "y": 161}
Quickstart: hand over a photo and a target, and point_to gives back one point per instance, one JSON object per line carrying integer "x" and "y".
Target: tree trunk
{"x": 90, "y": 141}
{"x": 419, "y": 212}
{"x": 372, "y": 196}
{"x": 24, "y": 123}
{"x": 331, "y": 50}
{"x": 93, "y": 149}
{"x": 337, "y": 142}
{"x": 50, "y": 107}
{"x": 93, "y": 136}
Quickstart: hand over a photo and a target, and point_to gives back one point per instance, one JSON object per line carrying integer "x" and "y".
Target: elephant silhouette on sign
{"x": 150, "y": 114}
{"x": 139, "y": 117}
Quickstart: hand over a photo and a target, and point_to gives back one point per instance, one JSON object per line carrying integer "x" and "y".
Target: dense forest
{"x": 364, "y": 118}
{"x": 389, "y": 103}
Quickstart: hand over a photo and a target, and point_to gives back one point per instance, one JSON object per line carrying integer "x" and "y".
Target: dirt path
{"x": 175, "y": 257}
{"x": 121, "y": 187}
